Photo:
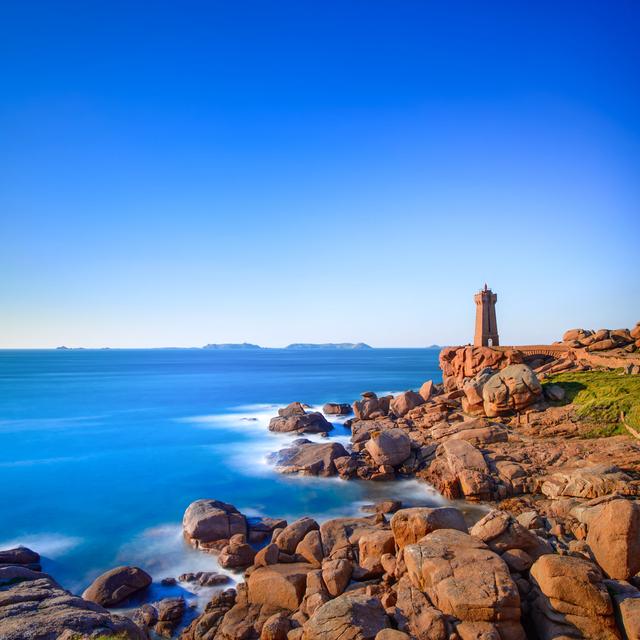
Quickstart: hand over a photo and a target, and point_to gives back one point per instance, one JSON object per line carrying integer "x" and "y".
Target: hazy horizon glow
{"x": 205, "y": 172}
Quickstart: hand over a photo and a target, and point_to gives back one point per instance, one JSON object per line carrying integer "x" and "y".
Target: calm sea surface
{"x": 102, "y": 451}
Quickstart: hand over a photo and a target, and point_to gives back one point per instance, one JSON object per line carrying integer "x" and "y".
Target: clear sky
{"x": 176, "y": 173}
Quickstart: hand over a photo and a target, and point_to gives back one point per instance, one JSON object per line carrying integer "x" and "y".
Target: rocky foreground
{"x": 557, "y": 555}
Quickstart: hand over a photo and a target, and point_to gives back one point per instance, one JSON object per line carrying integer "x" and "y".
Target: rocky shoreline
{"x": 556, "y": 556}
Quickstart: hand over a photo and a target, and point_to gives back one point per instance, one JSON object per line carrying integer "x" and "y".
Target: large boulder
{"x": 348, "y": 617}
{"x": 278, "y": 585}
{"x": 340, "y": 535}
{"x": 410, "y": 525}
{"x": 237, "y": 554}
{"x": 116, "y": 585}
{"x": 371, "y": 406}
{"x": 169, "y": 613}
{"x": 300, "y": 423}
{"x": 372, "y": 546}
{"x": 20, "y": 556}
{"x": 626, "y": 602}
{"x": 207, "y": 521}
{"x": 586, "y": 482}
{"x": 472, "y": 402}
{"x": 614, "y": 538}
{"x": 404, "y": 402}
{"x": 33, "y": 606}
{"x": 336, "y": 409}
{"x": 426, "y": 390}
{"x": 389, "y": 447}
{"x": 293, "y": 409}
{"x": 310, "y": 548}
{"x": 465, "y": 579}
{"x": 576, "y": 334}
{"x": 461, "y": 363}
{"x": 292, "y": 535}
{"x": 416, "y": 615}
{"x": 501, "y": 532}
{"x": 205, "y": 626}
{"x": 336, "y": 575}
{"x": 309, "y": 458}
{"x": 570, "y": 600}
{"x": 513, "y": 388}
{"x": 467, "y": 465}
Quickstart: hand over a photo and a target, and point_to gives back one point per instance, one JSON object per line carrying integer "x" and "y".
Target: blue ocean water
{"x": 101, "y": 451}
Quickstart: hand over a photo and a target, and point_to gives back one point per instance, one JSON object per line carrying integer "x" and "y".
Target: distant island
{"x": 233, "y": 346}
{"x": 329, "y": 345}
{"x": 247, "y": 346}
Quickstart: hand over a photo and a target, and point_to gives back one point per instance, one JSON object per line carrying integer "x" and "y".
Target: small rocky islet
{"x": 544, "y": 438}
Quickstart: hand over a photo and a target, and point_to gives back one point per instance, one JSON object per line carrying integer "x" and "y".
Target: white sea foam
{"x": 48, "y": 545}
{"x": 252, "y": 458}
{"x": 162, "y": 552}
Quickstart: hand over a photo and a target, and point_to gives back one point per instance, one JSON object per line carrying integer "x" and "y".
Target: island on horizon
{"x": 231, "y": 346}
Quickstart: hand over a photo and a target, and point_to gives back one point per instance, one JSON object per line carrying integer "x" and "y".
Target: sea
{"x": 101, "y": 451}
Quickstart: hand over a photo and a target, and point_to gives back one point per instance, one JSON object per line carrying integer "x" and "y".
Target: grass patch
{"x": 599, "y": 397}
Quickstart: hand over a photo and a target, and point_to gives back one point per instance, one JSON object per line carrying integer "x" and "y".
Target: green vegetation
{"x": 600, "y": 397}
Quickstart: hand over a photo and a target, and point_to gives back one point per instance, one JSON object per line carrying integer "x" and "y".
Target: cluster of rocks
{"x": 579, "y": 350}
{"x": 33, "y": 606}
{"x": 603, "y": 339}
{"x": 491, "y": 431}
{"x": 425, "y": 574}
{"x": 295, "y": 419}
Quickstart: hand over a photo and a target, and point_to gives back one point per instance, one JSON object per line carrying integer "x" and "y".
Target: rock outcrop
{"x": 570, "y": 600}
{"x": 115, "y": 586}
{"x": 411, "y": 525}
{"x": 348, "y": 617}
{"x": 371, "y": 407}
{"x": 309, "y": 458}
{"x": 33, "y": 606}
{"x": 336, "y": 409}
{"x": 465, "y": 579}
{"x": 390, "y": 447}
{"x": 305, "y": 422}
{"x": 208, "y": 521}
{"x": 512, "y": 389}
{"x": 614, "y": 538}
{"x": 20, "y": 556}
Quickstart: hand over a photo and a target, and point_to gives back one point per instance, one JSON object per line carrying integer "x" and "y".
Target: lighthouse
{"x": 486, "y": 325}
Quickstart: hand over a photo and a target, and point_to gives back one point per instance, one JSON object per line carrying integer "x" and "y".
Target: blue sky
{"x": 183, "y": 173}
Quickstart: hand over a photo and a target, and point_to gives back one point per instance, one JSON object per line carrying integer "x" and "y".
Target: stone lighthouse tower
{"x": 486, "y": 325}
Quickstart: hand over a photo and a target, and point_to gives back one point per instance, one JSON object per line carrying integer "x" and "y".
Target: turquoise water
{"x": 102, "y": 451}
